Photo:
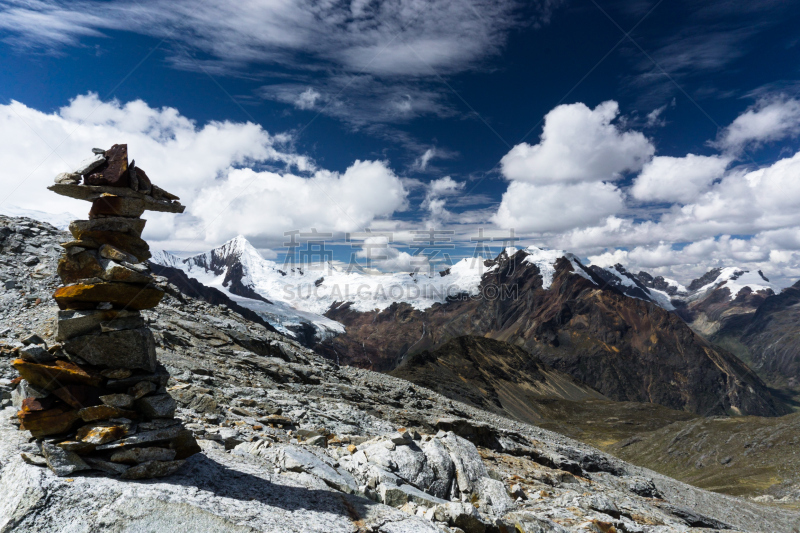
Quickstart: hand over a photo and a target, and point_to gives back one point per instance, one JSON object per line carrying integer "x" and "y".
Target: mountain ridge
{"x": 557, "y": 299}
{"x": 625, "y": 348}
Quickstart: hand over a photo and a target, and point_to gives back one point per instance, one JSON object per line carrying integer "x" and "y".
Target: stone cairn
{"x": 97, "y": 400}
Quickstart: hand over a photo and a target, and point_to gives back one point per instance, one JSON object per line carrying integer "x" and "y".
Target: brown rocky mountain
{"x": 493, "y": 375}
{"x": 767, "y": 338}
{"x": 749, "y": 320}
{"x": 625, "y": 348}
{"x": 557, "y": 322}
{"x": 505, "y": 379}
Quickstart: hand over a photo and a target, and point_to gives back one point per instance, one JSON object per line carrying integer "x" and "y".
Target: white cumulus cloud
{"x": 268, "y": 204}
{"x": 551, "y": 208}
{"x": 716, "y": 213}
{"x": 436, "y": 198}
{"x": 770, "y": 119}
{"x": 560, "y": 184}
{"x": 678, "y": 179}
{"x": 578, "y": 144}
{"x": 210, "y": 166}
{"x": 381, "y": 255}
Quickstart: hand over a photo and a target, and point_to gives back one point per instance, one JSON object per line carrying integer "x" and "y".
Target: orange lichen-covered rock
{"x": 52, "y": 377}
{"x": 120, "y": 295}
{"x": 98, "y": 435}
{"x": 59, "y": 419}
{"x": 37, "y": 404}
{"x": 77, "y": 446}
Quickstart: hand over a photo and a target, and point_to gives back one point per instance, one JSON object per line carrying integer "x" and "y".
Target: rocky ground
{"x": 293, "y": 442}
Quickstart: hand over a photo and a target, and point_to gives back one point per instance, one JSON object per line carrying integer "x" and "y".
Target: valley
{"x": 741, "y": 456}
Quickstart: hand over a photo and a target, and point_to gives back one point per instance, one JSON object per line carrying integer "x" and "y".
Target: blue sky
{"x": 436, "y": 99}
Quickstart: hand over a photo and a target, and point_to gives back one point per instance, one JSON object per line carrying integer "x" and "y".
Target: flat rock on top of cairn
{"x": 91, "y": 193}
{"x": 114, "y": 187}
{"x": 102, "y": 389}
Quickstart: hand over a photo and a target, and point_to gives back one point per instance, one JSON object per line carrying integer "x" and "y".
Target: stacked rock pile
{"x": 97, "y": 399}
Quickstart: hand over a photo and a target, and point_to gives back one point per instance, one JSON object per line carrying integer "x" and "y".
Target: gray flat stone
{"x": 131, "y": 348}
{"x": 68, "y": 177}
{"x": 158, "y": 378}
{"x": 113, "y": 271}
{"x": 32, "y": 339}
{"x": 122, "y": 401}
{"x": 141, "y": 389}
{"x": 93, "y": 192}
{"x": 62, "y": 462}
{"x": 120, "y": 324}
{"x": 494, "y": 493}
{"x": 296, "y": 459}
{"x": 26, "y": 390}
{"x": 32, "y": 459}
{"x": 153, "y": 469}
{"x": 106, "y": 466}
{"x": 76, "y": 323}
{"x": 36, "y": 353}
{"x": 144, "y": 438}
{"x": 397, "y": 496}
{"x": 143, "y": 455}
{"x": 442, "y": 465}
{"x": 157, "y": 406}
{"x": 468, "y": 463}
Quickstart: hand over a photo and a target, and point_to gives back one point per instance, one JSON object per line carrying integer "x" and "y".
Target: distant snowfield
{"x": 297, "y": 296}
{"x": 300, "y": 296}
{"x": 279, "y": 315}
{"x": 315, "y": 289}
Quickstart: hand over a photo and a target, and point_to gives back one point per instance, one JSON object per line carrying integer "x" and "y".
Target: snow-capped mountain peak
{"x": 294, "y": 298}
{"x": 545, "y": 261}
{"x": 634, "y": 286}
{"x": 734, "y": 279}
